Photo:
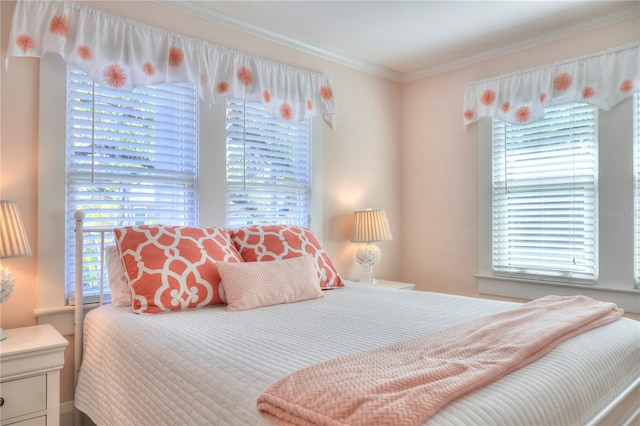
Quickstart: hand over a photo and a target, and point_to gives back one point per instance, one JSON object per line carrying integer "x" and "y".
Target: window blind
{"x": 636, "y": 165}
{"x": 131, "y": 159}
{"x": 545, "y": 196}
{"x": 268, "y": 167}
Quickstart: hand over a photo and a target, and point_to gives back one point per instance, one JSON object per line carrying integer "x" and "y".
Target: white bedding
{"x": 208, "y": 366}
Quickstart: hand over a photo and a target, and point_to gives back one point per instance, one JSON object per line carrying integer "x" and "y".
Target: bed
{"x": 210, "y": 365}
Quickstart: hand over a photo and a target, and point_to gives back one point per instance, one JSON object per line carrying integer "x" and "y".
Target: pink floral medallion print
{"x": 326, "y": 93}
{"x": 85, "y": 52}
{"x": 25, "y": 43}
{"x": 505, "y": 107}
{"x": 522, "y": 114}
{"x": 59, "y": 25}
{"x": 562, "y": 82}
{"x": 543, "y": 97}
{"x": 588, "y": 92}
{"x": 286, "y": 112}
{"x": 309, "y": 105}
{"x": 266, "y": 96}
{"x": 626, "y": 86}
{"x": 244, "y": 76}
{"x": 114, "y": 75}
{"x": 488, "y": 97}
{"x": 148, "y": 68}
{"x": 176, "y": 56}
{"x": 222, "y": 87}
{"x": 468, "y": 114}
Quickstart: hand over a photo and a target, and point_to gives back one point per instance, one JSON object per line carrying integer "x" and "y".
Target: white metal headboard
{"x": 80, "y": 231}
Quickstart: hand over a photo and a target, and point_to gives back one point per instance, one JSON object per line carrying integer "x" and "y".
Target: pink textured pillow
{"x": 270, "y": 242}
{"x": 256, "y": 284}
{"x": 173, "y": 267}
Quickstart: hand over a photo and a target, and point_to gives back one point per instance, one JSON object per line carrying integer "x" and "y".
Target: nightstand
{"x": 395, "y": 284}
{"x": 30, "y": 363}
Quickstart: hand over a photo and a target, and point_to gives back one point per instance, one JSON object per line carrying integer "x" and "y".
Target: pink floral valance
{"x": 123, "y": 54}
{"x": 603, "y": 79}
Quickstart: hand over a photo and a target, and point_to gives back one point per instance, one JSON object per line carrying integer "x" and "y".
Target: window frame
{"x": 51, "y": 299}
{"x": 283, "y": 137}
{"x": 144, "y": 115}
{"x": 636, "y": 171}
{"x": 615, "y": 201}
{"x": 523, "y": 182}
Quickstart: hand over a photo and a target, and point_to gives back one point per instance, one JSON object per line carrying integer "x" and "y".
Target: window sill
{"x": 626, "y": 298}
{"x": 61, "y": 318}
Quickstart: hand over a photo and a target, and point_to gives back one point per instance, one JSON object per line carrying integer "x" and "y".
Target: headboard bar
{"x": 80, "y": 232}
{"x": 78, "y": 217}
{"x": 102, "y": 266}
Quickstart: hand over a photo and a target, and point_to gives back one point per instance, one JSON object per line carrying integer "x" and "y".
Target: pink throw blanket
{"x": 407, "y": 382}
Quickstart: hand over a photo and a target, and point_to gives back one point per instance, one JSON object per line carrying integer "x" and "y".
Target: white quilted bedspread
{"x": 208, "y": 366}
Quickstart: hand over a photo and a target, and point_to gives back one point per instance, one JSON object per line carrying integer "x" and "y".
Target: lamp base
{"x": 366, "y": 275}
{"x": 3, "y": 335}
{"x": 367, "y": 256}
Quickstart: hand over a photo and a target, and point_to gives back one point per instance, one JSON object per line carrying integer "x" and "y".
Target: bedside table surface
{"x": 396, "y": 284}
{"x": 26, "y": 339}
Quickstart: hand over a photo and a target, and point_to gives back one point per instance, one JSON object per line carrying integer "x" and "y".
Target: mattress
{"x": 208, "y": 366}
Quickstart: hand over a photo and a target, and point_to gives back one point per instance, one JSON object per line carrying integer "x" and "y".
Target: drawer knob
{"x": 1, "y": 401}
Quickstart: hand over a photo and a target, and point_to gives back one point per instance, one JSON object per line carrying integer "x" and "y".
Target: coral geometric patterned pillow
{"x": 257, "y": 243}
{"x": 173, "y": 267}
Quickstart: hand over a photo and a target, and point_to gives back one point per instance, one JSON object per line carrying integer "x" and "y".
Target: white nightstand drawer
{"x": 23, "y": 396}
{"x": 30, "y": 363}
{"x": 38, "y": 421}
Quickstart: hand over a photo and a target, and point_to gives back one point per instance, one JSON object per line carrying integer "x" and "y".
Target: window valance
{"x": 602, "y": 79}
{"x": 123, "y": 54}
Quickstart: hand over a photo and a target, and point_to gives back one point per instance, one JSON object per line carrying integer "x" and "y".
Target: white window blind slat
{"x": 268, "y": 167}
{"x": 131, "y": 159}
{"x": 545, "y": 196}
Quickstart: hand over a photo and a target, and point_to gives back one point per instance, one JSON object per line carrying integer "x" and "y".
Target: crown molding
{"x": 612, "y": 18}
{"x": 196, "y": 8}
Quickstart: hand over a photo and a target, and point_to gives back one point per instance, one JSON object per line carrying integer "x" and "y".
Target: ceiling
{"x": 407, "y": 40}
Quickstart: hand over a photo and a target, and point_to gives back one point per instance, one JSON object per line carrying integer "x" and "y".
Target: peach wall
{"x": 401, "y": 148}
{"x": 439, "y": 192}
{"x": 18, "y": 173}
{"x": 361, "y": 156}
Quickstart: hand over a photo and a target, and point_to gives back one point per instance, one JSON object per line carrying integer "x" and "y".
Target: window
{"x": 55, "y": 218}
{"x": 133, "y": 155}
{"x": 268, "y": 167}
{"x": 613, "y": 221}
{"x": 544, "y": 195}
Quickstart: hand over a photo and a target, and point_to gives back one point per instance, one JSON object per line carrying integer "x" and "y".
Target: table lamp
{"x": 369, "y": 226}
{"x": 13, "y": 243}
